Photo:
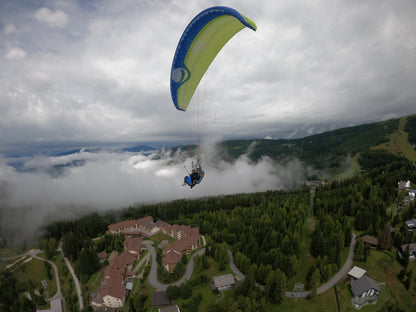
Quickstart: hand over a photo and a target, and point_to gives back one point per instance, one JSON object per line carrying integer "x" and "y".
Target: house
{"x": 411, "y": 224}
{"x": 365, "y": 291}
{"x": 371, "y": 240}
{"x": 411, "y": 248}
{"x": 173, "y": 252}
{"x": 223, "y": 282}
{"x": 170, "y": 259}
{"x": 133, "y": 245}
{"x": 412, "y": 193}
{"x": 144, "y": 227}
{"x": 112, "y": 290}
{"x": 160, "y": 299}
{"x": 356, "y": 272}
{"x": 403, "y": 185}
{"x": 102, "y": 256}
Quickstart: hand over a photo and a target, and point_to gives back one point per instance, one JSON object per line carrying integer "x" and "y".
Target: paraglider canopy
{"x": 201, "y": 41}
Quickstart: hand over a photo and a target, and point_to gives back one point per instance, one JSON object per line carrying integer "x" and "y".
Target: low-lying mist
{"x": 44, "y": 189}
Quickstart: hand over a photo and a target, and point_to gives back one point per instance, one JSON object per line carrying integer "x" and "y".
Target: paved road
{"x": 58, "y": 284}
{"x": 77, "y": 285}
{"x": 336, "y": 278}
{"x": 233, "y": 267}
{"x": 153, "y": 271}
{"x": 344, "y": 270}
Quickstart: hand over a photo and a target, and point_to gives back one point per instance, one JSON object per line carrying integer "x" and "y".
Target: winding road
{"x": 188, "y": 272}
{"x": 34, "y": 254}
{"x": 323, "y": 288}
{"x": 336, "y": 278}
{"x": 153, "y": 271}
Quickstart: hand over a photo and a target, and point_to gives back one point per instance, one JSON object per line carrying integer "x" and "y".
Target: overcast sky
{"x": 100, "y": 70}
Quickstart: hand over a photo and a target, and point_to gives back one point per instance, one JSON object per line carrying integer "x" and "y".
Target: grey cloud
{"x": 108, "y": 68}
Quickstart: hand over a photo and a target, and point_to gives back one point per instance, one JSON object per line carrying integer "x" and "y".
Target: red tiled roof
{"x": 182, "y": 244}
{"x": 133, "y": 244}
{"x": 171, "y": 258}
{"x": 130, "y": 223}
{"x": 113, "y": 287}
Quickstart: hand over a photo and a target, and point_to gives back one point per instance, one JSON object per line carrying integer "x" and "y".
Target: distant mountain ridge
{"x": 322, "y": 151}
{"x": 328, "y": 149}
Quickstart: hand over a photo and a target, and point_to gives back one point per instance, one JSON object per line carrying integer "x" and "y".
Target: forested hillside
{"x": 411, "y": 129}
{"x": 323, "y": 150}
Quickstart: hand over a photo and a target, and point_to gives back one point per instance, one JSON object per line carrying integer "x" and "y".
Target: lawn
{"x": 31, "y": 273}
{"x": 398, "y": 143}
{"x": 321, "y": 303}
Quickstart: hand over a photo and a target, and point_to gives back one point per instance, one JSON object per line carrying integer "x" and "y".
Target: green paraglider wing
{"x": 200, "y": 43}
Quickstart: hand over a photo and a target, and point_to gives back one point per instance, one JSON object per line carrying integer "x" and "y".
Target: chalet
{"x": 112, "y": 290}
{"x": 223, "y": 282}
{"x": 160, "y": 299}
{"x": 403, "y": 185}
{"x": 412, "y": 193}
{"x": 163, "y": 226}
{"x": 411, "y": 224}
{"x": 365, "y": 291}
{"x": 170, "y": 259}
{"x": 143, "y": 226}
{"x": 371, "y": 240}
{"x": 356, "y": 273}
{"x": 133, "y": 245}
{"x": 102, "y": 256}
{"x": 185, "y": 245}
{"x": 173, "y": 252}
{"x": 411, "y": 248}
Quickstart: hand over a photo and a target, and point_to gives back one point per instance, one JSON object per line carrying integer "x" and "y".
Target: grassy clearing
{"x": 31, "y": 273}
{"x": 398, "y": 143}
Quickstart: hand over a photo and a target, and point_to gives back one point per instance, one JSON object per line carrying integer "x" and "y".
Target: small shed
{"x": 371, "y": 240}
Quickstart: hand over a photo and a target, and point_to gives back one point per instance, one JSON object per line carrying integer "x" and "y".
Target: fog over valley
{"x": 37, "y": 190}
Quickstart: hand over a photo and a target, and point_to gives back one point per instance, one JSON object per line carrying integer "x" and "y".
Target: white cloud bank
{"x": 32, "y": 196}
